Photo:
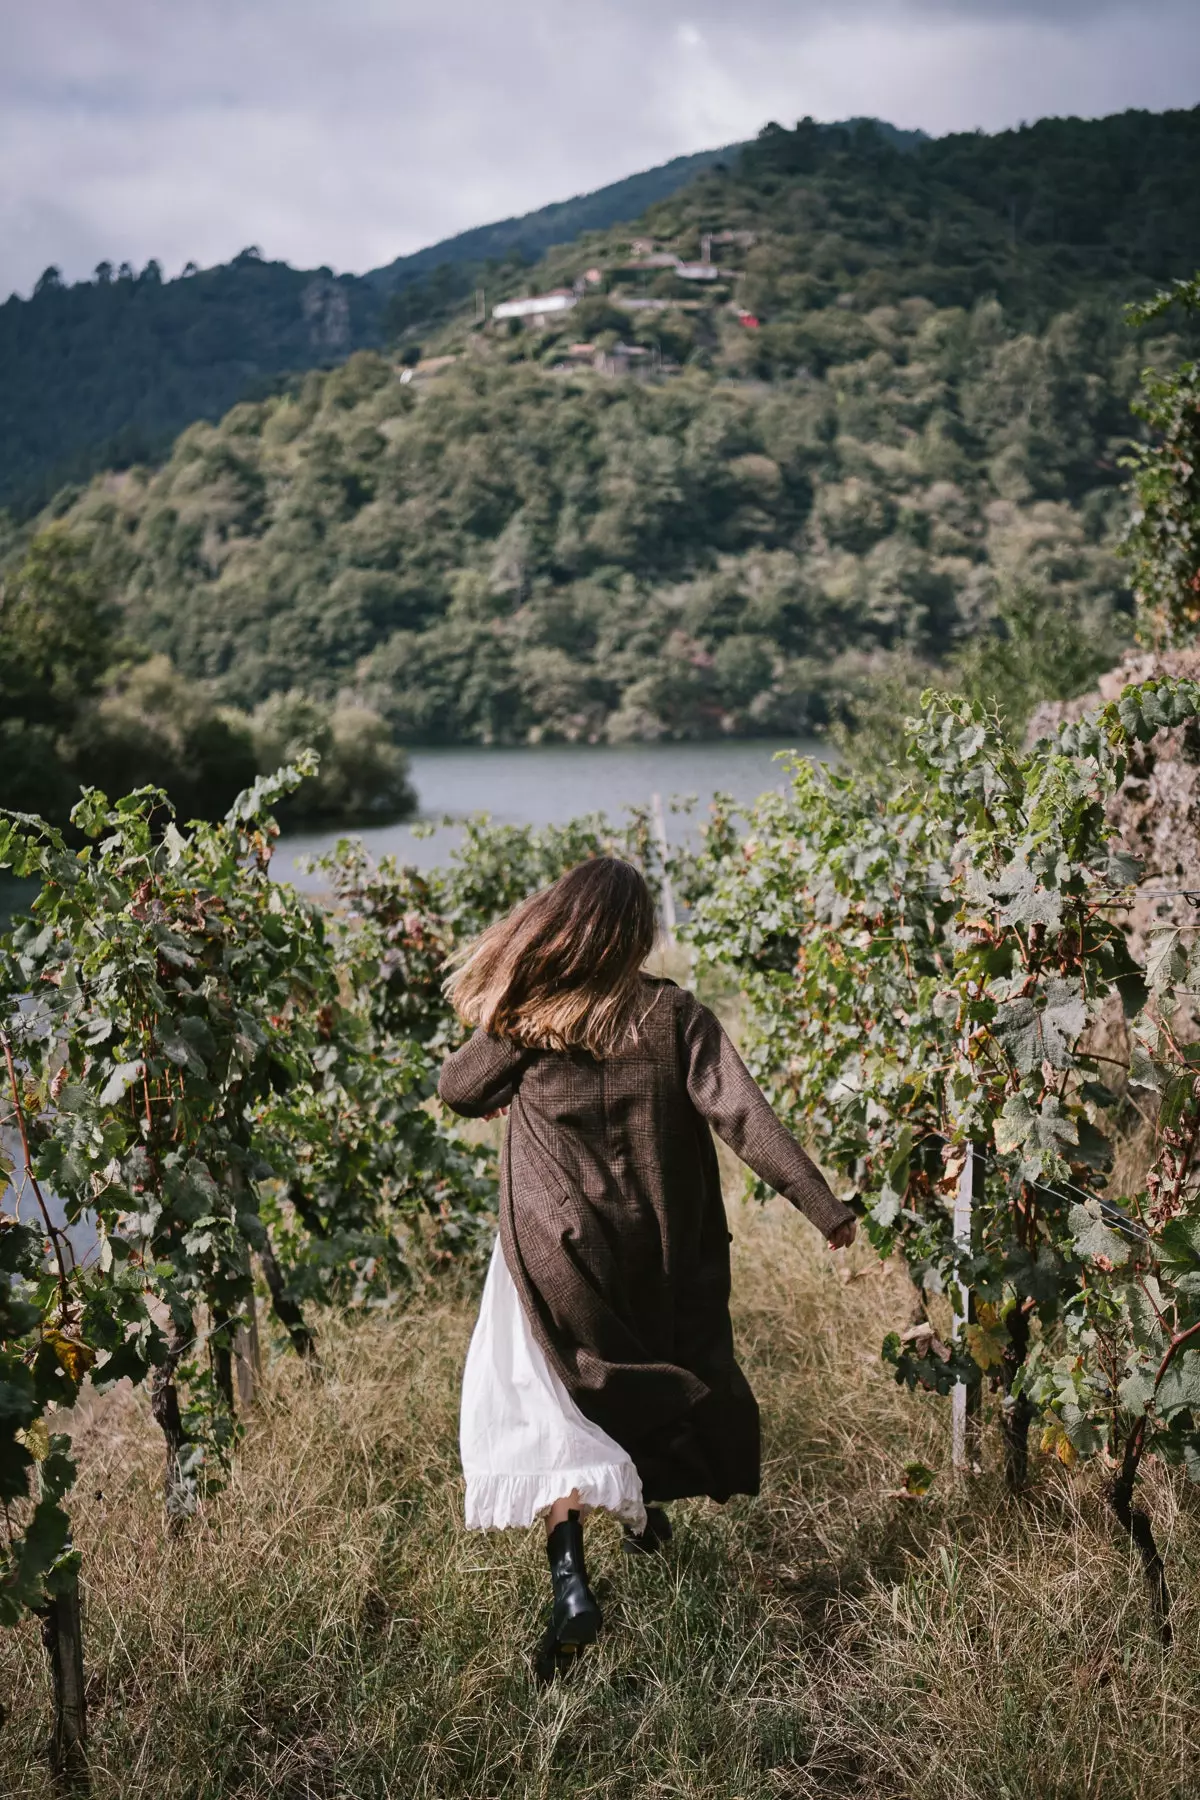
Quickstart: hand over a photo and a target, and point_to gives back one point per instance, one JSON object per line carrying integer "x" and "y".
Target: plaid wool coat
{"x": 613, "y": 1228}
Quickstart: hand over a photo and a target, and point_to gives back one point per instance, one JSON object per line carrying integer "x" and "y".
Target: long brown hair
{"x": 561, "y": 971}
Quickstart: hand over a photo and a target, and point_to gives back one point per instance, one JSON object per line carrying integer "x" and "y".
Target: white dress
{"x": 524, "y": 1442}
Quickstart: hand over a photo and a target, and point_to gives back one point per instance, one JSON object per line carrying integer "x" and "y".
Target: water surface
{"x": 547, "y": 784}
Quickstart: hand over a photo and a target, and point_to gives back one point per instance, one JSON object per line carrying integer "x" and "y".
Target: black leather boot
{"x": 576, "y": 1617}
{"x": 655, "y": 1536}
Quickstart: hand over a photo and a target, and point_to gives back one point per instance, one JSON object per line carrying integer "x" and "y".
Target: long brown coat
{"x": 613, "y": 1228}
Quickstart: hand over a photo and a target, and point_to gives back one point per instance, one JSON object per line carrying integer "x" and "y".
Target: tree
{"x": 153, "y": 727}
{"x": 363, "y": 773}
{"x": 56, "y": 636}
{"x": 57, "y": 630}
{"x": 595, "y": 315}
{"x": 1163, "y": 540}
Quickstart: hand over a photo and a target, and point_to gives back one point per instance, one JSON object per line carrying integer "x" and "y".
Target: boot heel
{"x": 580, "y": 1629}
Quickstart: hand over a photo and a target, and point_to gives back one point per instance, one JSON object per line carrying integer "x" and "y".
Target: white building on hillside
{"x": 536, "y": 309}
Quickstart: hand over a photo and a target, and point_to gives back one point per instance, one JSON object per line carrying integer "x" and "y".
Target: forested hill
{"x": 566, "y": 220}
{"x": 885, "y": 426}
{"x": 107, "y": 372}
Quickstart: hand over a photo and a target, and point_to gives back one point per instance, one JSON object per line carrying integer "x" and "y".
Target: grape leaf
{"x": 1024, "y": 898}
{"x": 1166, "y": 960}
{"x": 1042, "y": 1027}
{"x": 120, "y": 1081}
{"x": 1093, "y": 1238}
{"x": 1179, "y": 1388}
{"x": 1021, "y": 1126}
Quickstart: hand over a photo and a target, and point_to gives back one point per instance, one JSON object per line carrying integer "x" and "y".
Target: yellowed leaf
{"x": 36, "y": 1439}
{"x": 954, "y": 1161}
{"x": 986, "y": 1346}
{"x": 918, "y": 1480}
{"x": 925, "y": 1341}
{"x": 75, "y": 1358}
{"x": 1055, "y": 1442}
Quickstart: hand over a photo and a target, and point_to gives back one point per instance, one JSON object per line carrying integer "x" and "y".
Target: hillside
{"x": 105, "y": 373}
{"x": 518, "y": 552}
{"x": 561, "y": 223}
{"x": 885, "y": 462}
{"x": 1039, "y": 218}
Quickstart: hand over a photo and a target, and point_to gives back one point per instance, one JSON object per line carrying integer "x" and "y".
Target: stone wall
{"x": 1157, "y": 814}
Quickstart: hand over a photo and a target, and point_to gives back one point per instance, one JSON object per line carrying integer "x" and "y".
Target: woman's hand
{"x": 498, "y": 1114}
{"x": 844, "y": 1236}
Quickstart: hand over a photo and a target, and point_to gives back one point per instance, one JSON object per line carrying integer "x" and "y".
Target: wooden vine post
{"x": 668, "y": 892}
{"x": 247, "y": 1357}
{"x": 62, "y": 1635}
{"x": 178, "y": 1498}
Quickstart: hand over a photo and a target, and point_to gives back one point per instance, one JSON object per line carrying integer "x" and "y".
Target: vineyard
{"x": 234, "y": 1209}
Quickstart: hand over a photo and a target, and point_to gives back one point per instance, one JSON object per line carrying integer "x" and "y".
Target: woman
{"x": 601, "y": 1371}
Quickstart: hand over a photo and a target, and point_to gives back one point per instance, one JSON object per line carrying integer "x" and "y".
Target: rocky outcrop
{"x": 326, "y": 308}
{"x": 1157, "y": 813}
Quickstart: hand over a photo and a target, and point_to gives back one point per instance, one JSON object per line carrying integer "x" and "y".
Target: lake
{"x": 546, "y": 784}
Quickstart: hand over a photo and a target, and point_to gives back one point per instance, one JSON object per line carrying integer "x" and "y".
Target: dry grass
{"x": 327, "y": 1630}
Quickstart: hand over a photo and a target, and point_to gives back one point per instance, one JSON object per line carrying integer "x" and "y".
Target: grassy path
{"x": 327, "y": 1630}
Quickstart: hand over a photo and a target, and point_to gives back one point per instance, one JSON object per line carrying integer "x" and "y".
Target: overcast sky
{"x": 349, "y": 131}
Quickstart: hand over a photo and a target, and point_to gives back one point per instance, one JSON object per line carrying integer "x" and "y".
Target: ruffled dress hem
{"x": 496, "y": 1502}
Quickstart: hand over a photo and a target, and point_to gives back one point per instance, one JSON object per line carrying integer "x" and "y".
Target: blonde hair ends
{"x": 563, "y": 970}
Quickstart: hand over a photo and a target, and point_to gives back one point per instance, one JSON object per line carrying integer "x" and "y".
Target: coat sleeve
{"x": 723, "y": 1090}
{"x": 481, "y": 1077}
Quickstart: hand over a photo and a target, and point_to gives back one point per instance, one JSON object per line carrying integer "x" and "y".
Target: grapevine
{"x": 938, "y": 970}
{"x": 191, "y": 1073}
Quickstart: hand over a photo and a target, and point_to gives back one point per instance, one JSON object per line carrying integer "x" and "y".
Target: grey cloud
{"x": 349, "y": 133}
